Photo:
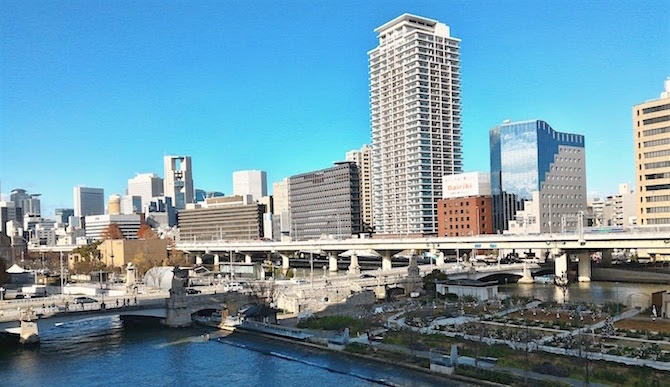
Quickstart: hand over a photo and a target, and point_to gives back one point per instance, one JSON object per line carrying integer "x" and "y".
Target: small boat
{"x": 545, "y": 279}
{"x": 231, "y": 323}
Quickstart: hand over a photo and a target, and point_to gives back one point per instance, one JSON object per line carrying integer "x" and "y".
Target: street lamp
{"x": 61, "y": 274}
{"x": 311, "y": 267}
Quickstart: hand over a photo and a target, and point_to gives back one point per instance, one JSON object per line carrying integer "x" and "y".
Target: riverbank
{"x": 349, "y": 354}
{"x": 610, "y": 274}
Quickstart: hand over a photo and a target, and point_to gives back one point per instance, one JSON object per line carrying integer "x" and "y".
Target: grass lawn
{"x": 644, "y": 323}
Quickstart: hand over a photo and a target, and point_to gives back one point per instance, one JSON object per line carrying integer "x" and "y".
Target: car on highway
{"x": 192, "y": 291}
{"x": 85, "y": 300}
{"x": 232, "y": 287}
{"x": 367, "y": 276}
{"x": 301, "y": 281}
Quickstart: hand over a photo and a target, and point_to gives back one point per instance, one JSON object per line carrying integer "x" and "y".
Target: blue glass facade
{"x": 522, "y": 154}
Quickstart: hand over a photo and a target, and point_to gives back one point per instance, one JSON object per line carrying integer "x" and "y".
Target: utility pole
{"x": 61, "y": 274}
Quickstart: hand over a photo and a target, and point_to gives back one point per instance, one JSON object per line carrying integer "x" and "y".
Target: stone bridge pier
{"x": 29, "y": 332}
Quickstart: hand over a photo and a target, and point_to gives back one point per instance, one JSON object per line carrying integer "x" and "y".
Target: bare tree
{"x": 113, "y": 231}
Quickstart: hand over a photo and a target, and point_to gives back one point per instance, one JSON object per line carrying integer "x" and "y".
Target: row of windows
{"x": 655, "y": 120}
{"x": 566, "y": 169}
{"x": 661, "y": 198}
{"x": 654, "y": 176}
{"x": 652, "y": 132}
{"x": 658, "y": 187}
{"x": 663, "y": 141}
{"x": 562, "y": 177}
{"x": 561, "y": 196}
{"x": 561, "y": 205}
{"x": 655, "y": 108}
{"x": 659, "y": 221}
{"x": 659, "y": 164}
{"x": 561, "y": 187}
{"x": 658, "y": 210}
{"x": 665, "y": 152}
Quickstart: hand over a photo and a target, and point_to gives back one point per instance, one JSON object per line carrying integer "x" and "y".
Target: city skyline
{"x": 92, "y": 83}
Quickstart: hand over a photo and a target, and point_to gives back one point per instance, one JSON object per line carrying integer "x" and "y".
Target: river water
{"x": 101, "y": 352}
{"x": 631, "y": 294}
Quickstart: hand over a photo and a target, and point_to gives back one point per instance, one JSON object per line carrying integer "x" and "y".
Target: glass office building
{"x": 538, "y": 177}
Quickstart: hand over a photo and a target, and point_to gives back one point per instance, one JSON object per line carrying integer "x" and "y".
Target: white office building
{"x": 254, "y": 183}
{"x": 281, "y": 222}
{"x": 96, "y": 225}
{"x": 88, "y": 201}
{"x": 146, "y": 186}
{"x": 178, "y": 182}
{"x": 132, "y": 204}
{"x": 415, "y": 106}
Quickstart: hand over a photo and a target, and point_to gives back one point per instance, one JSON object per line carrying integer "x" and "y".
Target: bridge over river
{"x": 175, "y": 311}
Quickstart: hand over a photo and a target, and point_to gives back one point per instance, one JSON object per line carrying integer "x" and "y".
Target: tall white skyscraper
{"x": 415, "y": 105}
{"x": 178, "y": 181}
{"x": 254, "y": 183}
{"x": 146, "y": 186}
{"x": 363, "y": 159}
{"x": 89, "y": 201}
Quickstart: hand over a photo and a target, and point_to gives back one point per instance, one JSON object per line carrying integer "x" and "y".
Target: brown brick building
{"x": 471, "y": 215}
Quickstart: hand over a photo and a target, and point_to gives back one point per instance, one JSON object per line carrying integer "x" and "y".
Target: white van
{"x": 232, "y": 287}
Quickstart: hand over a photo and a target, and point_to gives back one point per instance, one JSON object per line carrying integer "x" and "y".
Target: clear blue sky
{"x": 92, "y": 92}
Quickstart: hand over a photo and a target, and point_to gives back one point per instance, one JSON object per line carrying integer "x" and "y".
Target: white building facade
{"x": 146, "y": 186}
{"x": 466, "y": 184}
{"x": 254, "y": 183}
{"x": 415, "y": 106}
{"x": 96, "y": 225}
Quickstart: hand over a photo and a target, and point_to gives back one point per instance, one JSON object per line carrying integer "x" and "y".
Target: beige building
{"x": 281, "y": 222}
{"x": 222, "y": 218}
{"x": 363, "y": 159}
{"x": 651, "y": 122}
{"x": 119, "y": 252}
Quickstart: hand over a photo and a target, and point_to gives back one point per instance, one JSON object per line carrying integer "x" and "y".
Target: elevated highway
{"x": 654, "y": 244}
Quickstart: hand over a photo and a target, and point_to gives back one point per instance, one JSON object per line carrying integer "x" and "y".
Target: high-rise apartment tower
{"x": 651, "y": 122}
{"x": 415, "y": 107}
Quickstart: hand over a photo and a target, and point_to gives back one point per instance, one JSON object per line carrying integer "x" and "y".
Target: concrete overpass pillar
{"x": 216, "y": 262}
{"x": 247, "y": 258}
{"x": 198, "y": 259}
{"x": 353, "y": 266}
{"x": 561, "y": 265}
{"x": 584, "y": 268}
{"x": 284, "y": 263}
{"x": 440, "y": 259}
{"x": 332, "y": 263}
{"x": 607, "y": 258}
{"x": 386, "y": 261}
